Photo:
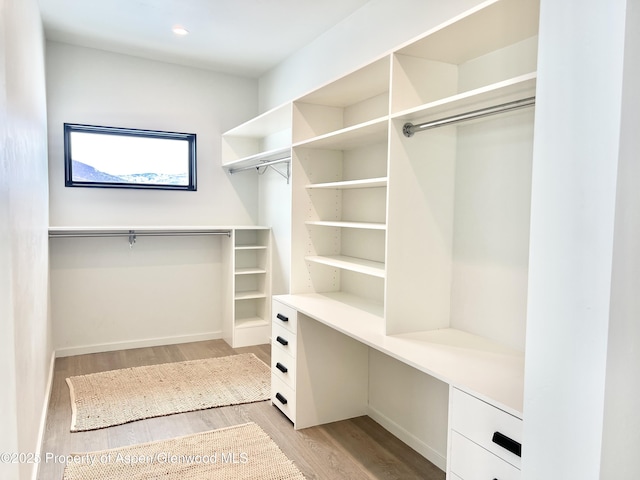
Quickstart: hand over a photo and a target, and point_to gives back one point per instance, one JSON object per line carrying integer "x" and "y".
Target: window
{"x": 128, "y": 158}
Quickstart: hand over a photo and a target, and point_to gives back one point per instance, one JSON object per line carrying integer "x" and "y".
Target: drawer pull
{"x": 507, "y": 443}
{"x": 282, "y": 317}
{"x": 282, "y": 341}
{"x": 280, "y": 397}
{"x": 281, "y": 367}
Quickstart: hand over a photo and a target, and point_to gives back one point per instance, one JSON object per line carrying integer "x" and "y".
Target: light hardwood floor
{"x": 353, "y": 449}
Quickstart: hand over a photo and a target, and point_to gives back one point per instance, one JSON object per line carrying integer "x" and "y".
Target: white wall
{"x": 100, "y": 88}
{"x": 621, "y": 432}
{"x": 162, "y": 290}
{"x": 25, "y": 345}
{"x": 573, "y": 305}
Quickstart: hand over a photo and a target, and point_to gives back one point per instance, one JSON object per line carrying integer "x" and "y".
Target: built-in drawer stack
{"x": 484, "y": 441}
{"x": 283, "y": 358}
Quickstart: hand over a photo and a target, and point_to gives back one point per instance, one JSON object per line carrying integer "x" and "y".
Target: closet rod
{"x": 409, "y": 128}
{"x": 138, "y": 234}
{"x": 258, "y": 165}
{"x": 133, "y": 234}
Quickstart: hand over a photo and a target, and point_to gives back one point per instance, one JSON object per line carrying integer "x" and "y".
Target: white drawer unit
{"x": 472, "y": 462}
{"x": 283, "y": 339}
{"x": 283, "y": 397}
{"x": 283, "y": 366}
{"x": 284, "y": 316}
{"x": 283, "y": 358}
{"x": 485, "y": 442}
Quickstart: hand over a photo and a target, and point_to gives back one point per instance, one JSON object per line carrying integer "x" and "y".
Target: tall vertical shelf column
{"x": 467, "y": 184}
{"x": 248, "y": 321}
{"x": 339, "y": 158}
{"x": 264, "y": 138}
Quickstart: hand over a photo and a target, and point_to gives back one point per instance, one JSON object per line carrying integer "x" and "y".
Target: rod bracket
{"x": 132, "y": 238}
{"x": 407, "y": 130}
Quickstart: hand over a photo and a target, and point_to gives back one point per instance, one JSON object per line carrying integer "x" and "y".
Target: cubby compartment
{"x": 266, "y": 137}
{"x": 460, "y": 259}
{"x": 486, "y": 55}
{"x": 352, "y": 101}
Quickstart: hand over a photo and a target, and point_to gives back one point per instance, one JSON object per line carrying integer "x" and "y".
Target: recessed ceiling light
{"x": 180, "y": 30}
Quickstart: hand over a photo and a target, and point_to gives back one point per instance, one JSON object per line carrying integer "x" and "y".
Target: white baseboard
{"x": 410, "y": 439}
{"x": 43, "y": 415}
{"x": 150, "y": 342}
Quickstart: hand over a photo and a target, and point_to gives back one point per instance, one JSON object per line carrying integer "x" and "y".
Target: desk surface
{"x": 471, "y": 363}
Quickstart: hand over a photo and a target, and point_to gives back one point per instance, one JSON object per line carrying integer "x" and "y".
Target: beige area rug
{"x": 120, "y": 396}
{"x": 243, "y": 452}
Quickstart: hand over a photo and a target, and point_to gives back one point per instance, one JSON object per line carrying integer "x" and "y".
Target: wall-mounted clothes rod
{"x": 266, "y": 165}
{"x": 133, "y": 234}
{"x": 409, "y": 128}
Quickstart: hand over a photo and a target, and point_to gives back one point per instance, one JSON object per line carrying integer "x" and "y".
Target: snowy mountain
{"x": 86, "y": 173}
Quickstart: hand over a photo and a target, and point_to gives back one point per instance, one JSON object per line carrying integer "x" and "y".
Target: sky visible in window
{"x": 126, "y": 155}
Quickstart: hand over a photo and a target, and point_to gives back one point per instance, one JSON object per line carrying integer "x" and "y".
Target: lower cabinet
{"x": 484, "y": 441}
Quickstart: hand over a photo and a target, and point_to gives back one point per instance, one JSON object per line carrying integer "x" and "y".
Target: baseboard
{"x": 150, "y": 342}
{"x": 43, "y": 415}
{"x": 410, "y": 439}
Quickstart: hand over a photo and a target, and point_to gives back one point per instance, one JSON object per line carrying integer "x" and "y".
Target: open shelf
{"x": 251, "y": 322}
{"x": 265, "y": 137}
{"x": 360, "y": 225}
{"x": 250, "y": 271}
{"x": 256, "y": 159}
{"x": 373, "y": 131}
{"x": 251, "y": 247}
{"x": 250, "y": 295}
{"x": 351, "y": 184}
{"x": 508, "y": 90}
{"x": 367, "y": 267}
{"x": 481, "y": 48}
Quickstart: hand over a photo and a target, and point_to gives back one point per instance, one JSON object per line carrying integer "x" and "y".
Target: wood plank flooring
{"x": 353, "y": 449}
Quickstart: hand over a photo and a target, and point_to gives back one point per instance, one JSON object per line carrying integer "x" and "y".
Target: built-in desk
{"x": 326, "y": 375}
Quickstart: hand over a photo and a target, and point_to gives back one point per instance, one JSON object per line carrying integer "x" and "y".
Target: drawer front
{"x": 283, "y": 339}
{"x": 283, "y": 366}
{"x": 284, "y": 316}
{"x": 283, "y": 397}
{"x": 488, "y": 426}
{"x": 472, "y": 462}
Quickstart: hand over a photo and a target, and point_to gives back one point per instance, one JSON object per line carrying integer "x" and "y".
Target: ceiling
{"x": 240, "y": 37}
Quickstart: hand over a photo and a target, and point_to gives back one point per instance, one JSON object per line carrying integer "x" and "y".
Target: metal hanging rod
{"x": 409, "y": 128}
{"x": 133, "y": 234}
{"x": 266, "y": 165}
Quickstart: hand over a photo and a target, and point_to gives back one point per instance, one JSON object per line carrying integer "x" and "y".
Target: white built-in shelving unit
{"x": 416, "y": 247}
{"x": 339, "y": 219}
{"x": 247, "y": 316}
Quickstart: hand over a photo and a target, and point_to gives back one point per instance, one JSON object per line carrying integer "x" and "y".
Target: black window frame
{"x": 131, "y": 132}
